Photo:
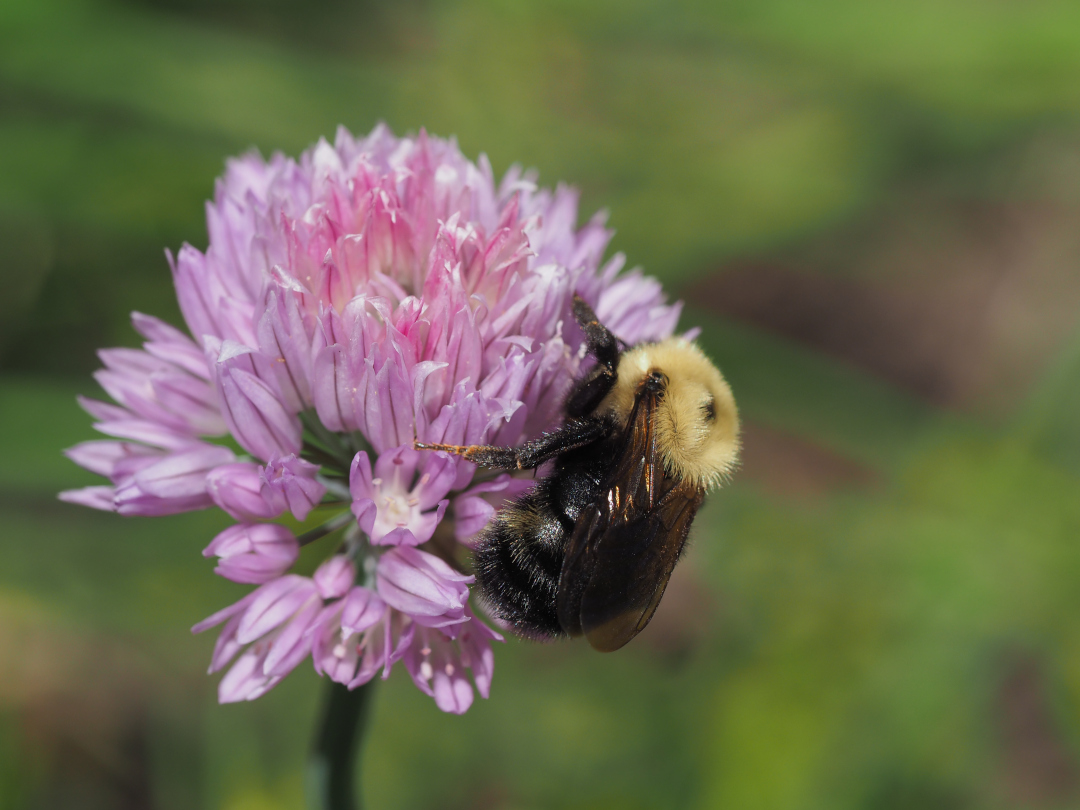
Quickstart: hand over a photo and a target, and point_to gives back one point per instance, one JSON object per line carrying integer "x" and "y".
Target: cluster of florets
{"x": 373, "y": 292}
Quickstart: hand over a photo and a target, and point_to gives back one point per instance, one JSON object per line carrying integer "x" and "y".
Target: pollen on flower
{"x": 374, "y": 291}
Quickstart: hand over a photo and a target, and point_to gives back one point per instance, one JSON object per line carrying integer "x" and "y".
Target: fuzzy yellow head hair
{"x": 696, "y": 423}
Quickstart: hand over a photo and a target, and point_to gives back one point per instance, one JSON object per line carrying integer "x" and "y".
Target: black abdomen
{"x": 519, "y": 556}
{"x": 518, "y": 562}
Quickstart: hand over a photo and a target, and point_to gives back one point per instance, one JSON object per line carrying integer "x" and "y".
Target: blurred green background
{"x": 873, "y": 211}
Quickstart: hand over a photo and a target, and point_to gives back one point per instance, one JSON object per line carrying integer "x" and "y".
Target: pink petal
{"x": 274, "y": 603}
{"x": 362, "y": 609}
{"x": 95, "y": 497}
{"x": 237, "y": 488}
{"x": 335, "y": 576}
{"x": 294, "y": 643}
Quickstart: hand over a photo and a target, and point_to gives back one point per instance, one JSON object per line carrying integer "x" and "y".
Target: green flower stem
{"x": 332, "y": 525}
{"x": 333, "y": 764}
{"x": 323, "y": 458}
{"x": 333, "y": 445}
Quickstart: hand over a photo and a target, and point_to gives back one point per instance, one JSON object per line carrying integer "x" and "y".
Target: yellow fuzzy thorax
{"x": 695, "y": 448}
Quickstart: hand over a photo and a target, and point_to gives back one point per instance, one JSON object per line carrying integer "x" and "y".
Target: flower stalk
{"x": 329, "y": 527}
{"x": 332, "y": 768}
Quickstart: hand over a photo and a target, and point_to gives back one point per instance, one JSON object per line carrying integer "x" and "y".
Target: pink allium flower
{"x": 375, "y": 291}
{"x": 291, "y": 483}
{"x": 254, "y": 553}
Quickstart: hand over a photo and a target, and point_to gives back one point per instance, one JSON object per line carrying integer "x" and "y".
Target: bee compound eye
{"x": 656, "y": 376}
{"x": 709, "y": 409}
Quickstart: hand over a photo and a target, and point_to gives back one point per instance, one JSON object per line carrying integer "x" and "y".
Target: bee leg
{"x": 602, "y": 344}
{"x": 589, "y": 391}
{"x": 575, "y": 433}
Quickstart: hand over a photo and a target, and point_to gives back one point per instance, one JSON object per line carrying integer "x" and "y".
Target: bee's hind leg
{"x": 575, "y": 433}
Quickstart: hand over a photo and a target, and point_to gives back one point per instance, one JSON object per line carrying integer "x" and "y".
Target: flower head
{"x": 374, "y": 291}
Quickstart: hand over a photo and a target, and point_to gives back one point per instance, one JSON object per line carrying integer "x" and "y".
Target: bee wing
{"x": 629, "y": 567}
{"x": 622, "y": 550}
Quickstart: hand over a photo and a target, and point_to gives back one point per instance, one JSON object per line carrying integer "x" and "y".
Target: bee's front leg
{"x": 574, "y": 434}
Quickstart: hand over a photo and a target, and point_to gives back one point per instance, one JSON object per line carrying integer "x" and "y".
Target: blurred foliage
{"x": 906, "y": 635}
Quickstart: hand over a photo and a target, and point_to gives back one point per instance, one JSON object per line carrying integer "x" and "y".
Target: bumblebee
{"x": 648, "y": 431}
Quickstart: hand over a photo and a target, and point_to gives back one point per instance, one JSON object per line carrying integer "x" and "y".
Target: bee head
{"x": 696, "y": 422}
